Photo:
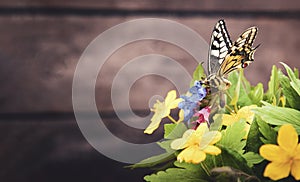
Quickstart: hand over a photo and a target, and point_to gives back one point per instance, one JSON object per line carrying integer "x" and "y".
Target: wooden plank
{"x": 205, "y": 5}
{"x": 55, "y": 151}
{"x": 39, "y": 55}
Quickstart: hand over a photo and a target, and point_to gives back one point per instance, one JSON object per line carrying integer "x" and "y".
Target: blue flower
{"x": 198, "y": 91}
{"x": 191, "y": 102}
{"x": 188, "y": 106}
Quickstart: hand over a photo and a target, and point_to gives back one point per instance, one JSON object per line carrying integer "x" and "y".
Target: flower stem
{"x": 229, "y": 109}
{"x": 235, "y": 108}
{"x": 204, "y": 167}
{"x": 172, "y": 119}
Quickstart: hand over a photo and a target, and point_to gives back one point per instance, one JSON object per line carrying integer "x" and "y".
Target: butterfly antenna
{"x": 256, "y": 47}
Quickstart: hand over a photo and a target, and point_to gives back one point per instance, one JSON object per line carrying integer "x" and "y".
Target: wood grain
{"x": 39, "y": 56}
{"x": 50, "y": 151}
{"x": 206, "y": 5}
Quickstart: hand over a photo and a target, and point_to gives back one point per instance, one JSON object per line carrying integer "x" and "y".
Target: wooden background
{"x": 41, "y": 42}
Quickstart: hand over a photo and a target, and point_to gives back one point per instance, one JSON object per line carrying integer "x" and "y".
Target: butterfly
{"x": 225, "y": 56}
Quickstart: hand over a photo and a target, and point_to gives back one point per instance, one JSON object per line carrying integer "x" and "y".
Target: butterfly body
{"x": 217, "y": 83}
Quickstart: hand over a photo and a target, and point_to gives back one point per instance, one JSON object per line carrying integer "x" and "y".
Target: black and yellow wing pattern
{"x": 225, "y": 56}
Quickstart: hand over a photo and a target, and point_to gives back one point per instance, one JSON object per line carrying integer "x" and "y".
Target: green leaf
{"x": 252, "y": 158}
{"x": 273, "y": 92}
{"x": 236, "y": 94}
{"x": 295, "y": 83}
{"x": 189, "y": 166}
{"x": 176, "y": 175}
{"x": 292, "y": 97}
{"x": 269, "y": 135}
{"x": 173, "y": 131}
{"x": 256, "y": 94}
{"x": 217, "y": 124}
{"x": 243, "y": 96}
{"x": 244, "y": 99}
{"x": 233, "y": 77}
{"x": 253, "y": 139}
{"x": 273, "y": 83}
{"x": 232, "y": 137}
{"x": 203, "y": 168}
{"x": 168, "y": 128}
{"x": 245, "y": 83}
{"x": 296, "y": 72}
{"x": 166, "y": 145}
{"x": 199, "y": 74}
{"x": 153, "y": 161}
{"x": 185, "y": 172}
{"x": 245, "y": 90}
{"x": 275, "y": 115}
{"x": 233, "y": 159}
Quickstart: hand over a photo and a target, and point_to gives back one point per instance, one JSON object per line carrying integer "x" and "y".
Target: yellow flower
{"x": 244, "y": 113}
{"x": 284, "y": 157}
{"x": 162, "y": 110}
{"x": 196, "y": 144}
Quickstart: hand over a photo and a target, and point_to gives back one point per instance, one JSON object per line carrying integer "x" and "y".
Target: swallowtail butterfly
{"x": 225, "y": 57}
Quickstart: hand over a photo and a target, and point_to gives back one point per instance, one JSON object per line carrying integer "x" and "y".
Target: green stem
{"x": 172, "y": 119}
{"x": 205, "y": 168}
{"x": 235, "y": 108}
{"x": 229, "y": 109}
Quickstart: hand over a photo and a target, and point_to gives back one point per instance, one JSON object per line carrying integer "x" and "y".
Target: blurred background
{"x": 41, "y": 42}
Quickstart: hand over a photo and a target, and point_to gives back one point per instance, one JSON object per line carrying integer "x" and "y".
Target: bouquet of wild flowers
{"x": 229, "y": 133}
{"x": 253, "y": 138}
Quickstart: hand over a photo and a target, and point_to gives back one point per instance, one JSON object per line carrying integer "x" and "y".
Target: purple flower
{"x": 188, "y": 107}
{"x": 198, "y": 91}
{"x": 191, "y": 102}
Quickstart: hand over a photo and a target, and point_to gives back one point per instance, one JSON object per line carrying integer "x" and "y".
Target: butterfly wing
{"x": 220, "y": 44}
{"x": 240, "y": 54}
{"x": 246, "y": 38}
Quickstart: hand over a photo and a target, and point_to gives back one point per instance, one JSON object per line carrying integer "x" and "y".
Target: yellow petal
{"x": 210, "y": 138}
{"x": 296, "y": 169}
{"x": 181, "y": 142}
{"x": 273, "y": 153}
{"x": 297, "y": 155}
{"x": 174, "y": 104}
{"x": 178, "y": 143}
{"x": 212, "y": 150}
{"x": 217, "y": 137}
{"x": 192, "y": 155}
{"x": 155, "y": 121}
{"x": 155, "y": 106}
{"x": 247, "y": 128}
{"x": 181, "y": 115}
{"x": 157, "y": 116}
{"x": 160, "y": 110}
{"x": 188, "y": 133}
{"x": 228, "y": 119}
{"x": 277, "y": 171}
{"x": 246, "y": 113}
{"x": 165, "y": 112}
{"x": 170, "y": 97}
{"x": 196, "y": 137}
{"x": 287, "y": 138}
{"x": 202, "y": 128}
